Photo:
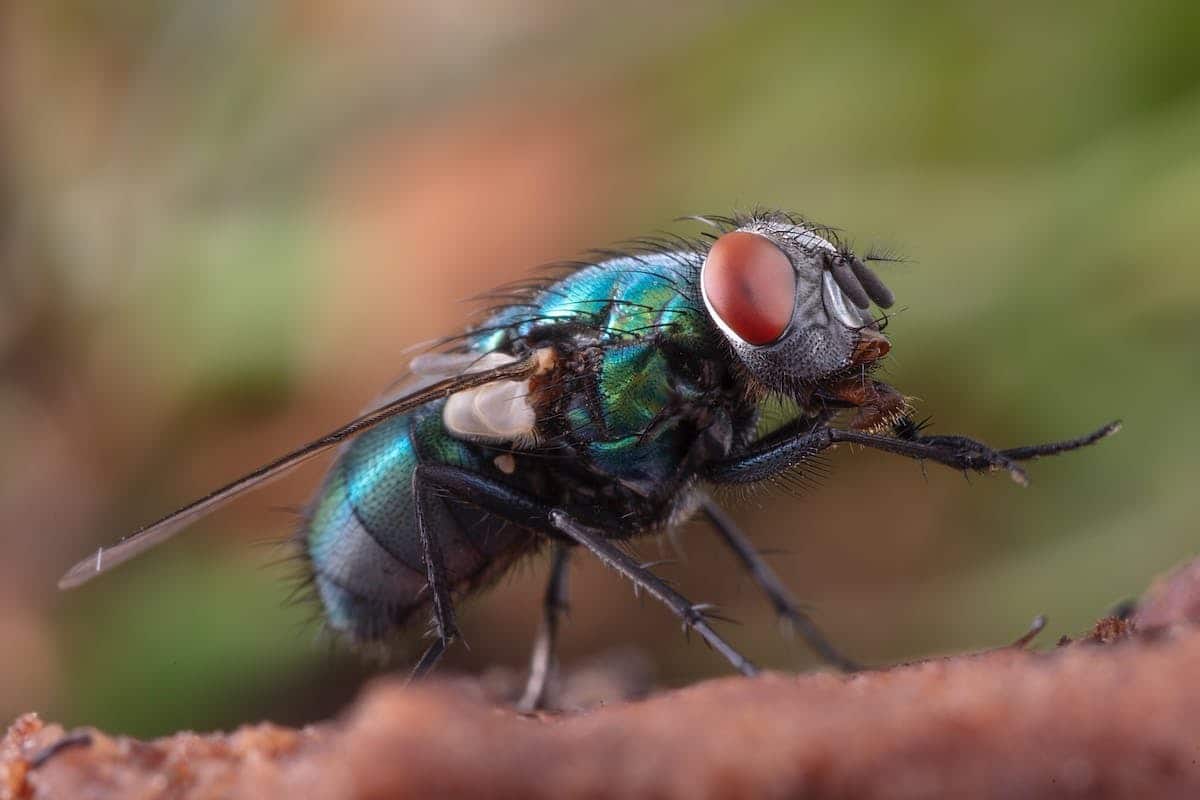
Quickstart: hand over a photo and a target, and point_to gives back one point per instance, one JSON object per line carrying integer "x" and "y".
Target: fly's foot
{"x": 968, "y": 454}
{"x": 794, "y": 621}
{"x": 1037, "y": 626}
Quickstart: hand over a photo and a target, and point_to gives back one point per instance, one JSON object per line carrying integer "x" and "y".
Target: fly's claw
{"x": 1037, "y": 626}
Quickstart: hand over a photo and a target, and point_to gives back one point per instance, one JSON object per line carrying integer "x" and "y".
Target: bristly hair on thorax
{"x": 688, "y": 252}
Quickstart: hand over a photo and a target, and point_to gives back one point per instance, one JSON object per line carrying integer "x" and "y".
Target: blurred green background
{"x": 222, "y": 224}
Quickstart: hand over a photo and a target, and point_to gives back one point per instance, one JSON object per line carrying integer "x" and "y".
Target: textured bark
{"x": 1115, "y": 714}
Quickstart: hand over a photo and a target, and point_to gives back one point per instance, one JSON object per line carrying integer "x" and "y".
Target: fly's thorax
{"x": 794, "y": 308}
{"x": 638, "y": 417}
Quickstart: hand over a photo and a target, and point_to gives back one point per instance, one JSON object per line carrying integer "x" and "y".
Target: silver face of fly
{"x": 794, "y": 308}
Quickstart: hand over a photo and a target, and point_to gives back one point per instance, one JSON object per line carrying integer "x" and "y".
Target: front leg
{"x": 956, "y": 452}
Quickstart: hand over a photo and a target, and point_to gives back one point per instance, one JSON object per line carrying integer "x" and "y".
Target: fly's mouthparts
{"x": 872, "y": 346}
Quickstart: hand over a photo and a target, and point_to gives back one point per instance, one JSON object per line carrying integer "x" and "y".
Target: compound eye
{"x": 749, "y": 285}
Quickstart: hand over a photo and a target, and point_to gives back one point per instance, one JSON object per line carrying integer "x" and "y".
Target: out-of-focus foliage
{"x": 222, "y": 224}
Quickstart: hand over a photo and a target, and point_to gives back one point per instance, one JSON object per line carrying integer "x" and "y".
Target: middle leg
{"x": 529, "y": 512}
{"x": 692, "y": 615}
{"x": 554, "y": 605}
{"x": 785, "y": 605}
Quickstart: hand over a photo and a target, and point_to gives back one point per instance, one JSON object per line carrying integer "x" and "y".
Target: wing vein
{"x": 160, "y": 531}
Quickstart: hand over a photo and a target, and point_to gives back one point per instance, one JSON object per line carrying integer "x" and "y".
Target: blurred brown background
{"x": 222, "y": 224}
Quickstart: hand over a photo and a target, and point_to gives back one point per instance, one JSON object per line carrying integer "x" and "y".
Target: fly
{"x": 593, "y": 408}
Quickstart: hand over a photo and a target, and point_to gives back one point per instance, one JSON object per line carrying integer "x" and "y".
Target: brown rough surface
{"x": 1115, "y": 715}
{"x": 1172, "y": 598}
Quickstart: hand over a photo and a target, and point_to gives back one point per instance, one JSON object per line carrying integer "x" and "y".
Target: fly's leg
{"x": 554, "y": 605}
{"x": 521, "y": 509}
{"x": 445, "y": 626}
{"x": 693, "y": 615}
{"x": 956, "y": 452}
{"x": 785, "y": 605}
{"x": 429, "y": 659}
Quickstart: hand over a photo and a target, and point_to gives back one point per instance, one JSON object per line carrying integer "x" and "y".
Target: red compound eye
{"x": 750, "y": 286}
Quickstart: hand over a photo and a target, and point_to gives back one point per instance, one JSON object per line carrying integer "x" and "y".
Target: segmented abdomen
{"x": 361, "y": 537}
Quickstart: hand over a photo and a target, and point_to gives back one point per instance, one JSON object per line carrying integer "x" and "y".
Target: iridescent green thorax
{"x": 628, "y": 297}
{"x": 644, "y": 320}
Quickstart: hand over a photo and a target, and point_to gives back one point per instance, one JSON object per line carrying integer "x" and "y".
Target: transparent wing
{"x": 158, "y": 532}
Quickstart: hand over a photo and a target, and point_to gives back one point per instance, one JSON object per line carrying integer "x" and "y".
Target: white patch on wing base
{"x": 496, "y": 412}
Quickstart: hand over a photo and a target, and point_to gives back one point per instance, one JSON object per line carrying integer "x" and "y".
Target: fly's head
{"x": 797, "y": 312}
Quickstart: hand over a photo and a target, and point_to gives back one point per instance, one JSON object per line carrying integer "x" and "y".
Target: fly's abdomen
{"x": 362, "y": 539}
{"x": 362, "y": 587}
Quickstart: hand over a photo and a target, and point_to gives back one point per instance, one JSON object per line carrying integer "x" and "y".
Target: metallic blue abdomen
{"x": 361, "y": 537}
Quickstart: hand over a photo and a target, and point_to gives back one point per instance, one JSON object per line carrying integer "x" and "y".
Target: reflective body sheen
{"x": 647, "y": 393}
{"x": 591, "y": 408}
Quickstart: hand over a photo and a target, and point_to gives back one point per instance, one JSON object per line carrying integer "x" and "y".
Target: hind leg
{"x": 554, "y": 605}
{"x": 444, "y": 622}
